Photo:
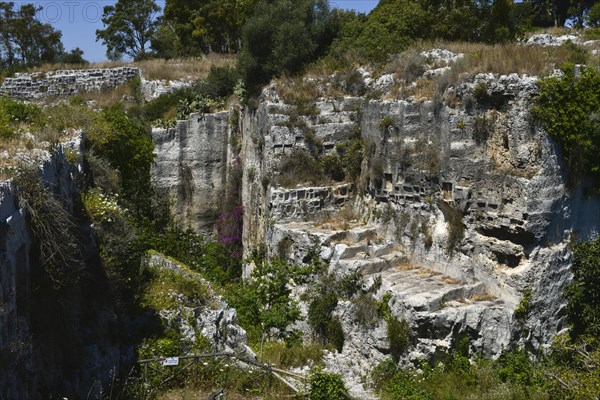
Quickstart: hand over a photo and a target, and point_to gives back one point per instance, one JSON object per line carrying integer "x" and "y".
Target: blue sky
{"x": 78, "y": 20}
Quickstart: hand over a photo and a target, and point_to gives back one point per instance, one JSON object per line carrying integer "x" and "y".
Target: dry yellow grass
{"x": 555, "y": 31}
{"x": 451, "y": 281}
{"x": 506, "y": 59}
{"x": 343, "y": 219}
{"x": 297, "y": 91}
{"x": 483, "y": 297}
{"x": 405, "y": 267}
{"x": 158, "y": 69}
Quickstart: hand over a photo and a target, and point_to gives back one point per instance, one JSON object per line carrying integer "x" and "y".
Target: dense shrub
{"x": 300, "y": 167}
{"x": 352, "y": 157}
{"x": 14, "y": 114}
{"x": 335, "y": 334}
{"x": 583, "y": 293}
{"x": 568, "y": 109}
{"x": 320, "y": 311}
{"x": 515, "y": 367}
{"x": 327, "y": 386}
{"x": 398, "y": 332}
{"x": 125, "y": 143}
{"x": 264, "y": 304}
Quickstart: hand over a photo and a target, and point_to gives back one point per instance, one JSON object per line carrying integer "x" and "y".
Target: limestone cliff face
{"x": 15, "y": 287}
{"x": 461, "y": 208}
{"x": 51, "y": 342}
{"x": 192, "y": 166}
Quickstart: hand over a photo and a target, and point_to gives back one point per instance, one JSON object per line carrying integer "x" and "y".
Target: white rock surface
{"x": 546, "y": 39}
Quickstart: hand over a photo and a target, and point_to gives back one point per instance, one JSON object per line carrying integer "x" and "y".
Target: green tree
{"x": 129, "y": 26}
{"x": 281, "y": 36}
{"x": 75, "y": 56}
{"x": 568, "y": 107}
{"x": 24, "y": 40}
{"x": 593, "y": 17}
{"x": 321, "y": 309}
{"x": 203, "y": 26}
{"x": 276, "y": 309}
{"x": 265, "y": 301}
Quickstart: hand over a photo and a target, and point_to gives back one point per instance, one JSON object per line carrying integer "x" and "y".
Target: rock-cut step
{"x": 365, "y": 258}
{"x": 424, "y": 290}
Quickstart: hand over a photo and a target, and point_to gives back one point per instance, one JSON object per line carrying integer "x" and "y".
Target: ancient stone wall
{"x": 40, "y": 85}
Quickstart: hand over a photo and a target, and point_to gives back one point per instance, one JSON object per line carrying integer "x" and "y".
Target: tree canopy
{"x": 206, "y": 25}
{"x": 129, "y": 26}
{"x": 282, "y": 36}
{"x": 24, "y": 40}
{"x": 569, "y": 109}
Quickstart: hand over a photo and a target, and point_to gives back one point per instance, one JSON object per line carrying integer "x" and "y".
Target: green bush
{"x": 326, "y": 386}
{"x": 163, "y": 106}
{"x": 567, "y": 108}
{"x": 386, "y": 123}
{"x": 333, "y": 167}
{"x": 383, "y": 372}
{"x": 219, "y": 83}
{"x": 320, "y": 311}
{"x": 401, "y": 386}
{"x": 398, "y": 333}
{"x": 578, "y": 54}
{"x": 125, "y": 143}
{"x": 365, "y": 309}
{"x": 514, "y": 366}
{"x": 593, "y": 17}
{"x": 351, "y": 155}
{"x": 523, "y": 307}
{"x": 300, "y": 167}
{"x": 335, "y": 334}
{"x": 583, "y": 293}
{"x": 14, "y": 113}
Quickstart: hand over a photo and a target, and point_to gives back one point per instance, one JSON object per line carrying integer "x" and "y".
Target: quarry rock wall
{"x": 52, "y": 341}
{"x": 191, "y": 167}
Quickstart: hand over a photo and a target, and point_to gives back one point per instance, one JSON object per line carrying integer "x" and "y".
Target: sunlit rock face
{"x": 191, "y": 167}
{"x": 462, "y": 206}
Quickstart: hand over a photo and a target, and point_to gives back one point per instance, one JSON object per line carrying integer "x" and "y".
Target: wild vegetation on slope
{"x": 131, "y": 218}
